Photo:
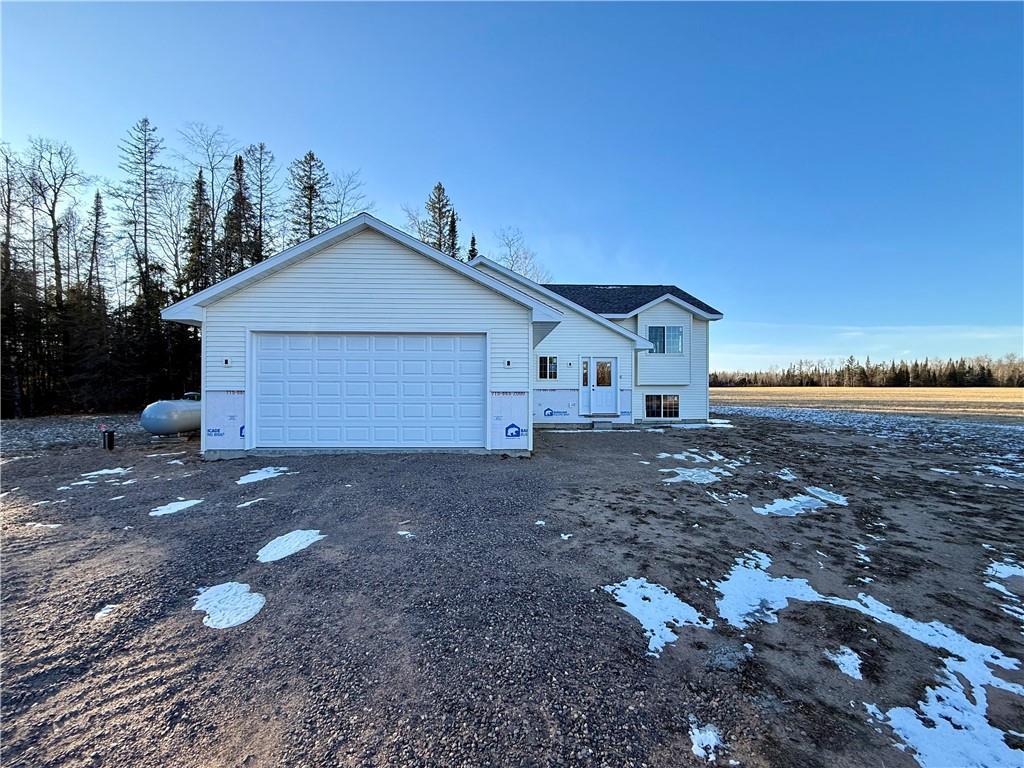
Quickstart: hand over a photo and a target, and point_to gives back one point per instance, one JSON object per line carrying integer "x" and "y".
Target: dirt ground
{"x": 486, "y": 638}
{"x": 1004, "y": 404}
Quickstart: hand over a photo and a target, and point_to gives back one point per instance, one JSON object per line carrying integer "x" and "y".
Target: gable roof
{"x": 190, "y": 310}
{"x": 627, "y": 300}
{"x": 639, "y": 341}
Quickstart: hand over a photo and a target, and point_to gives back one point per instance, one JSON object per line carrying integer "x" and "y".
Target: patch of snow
{"x": 261, "y": 474}
{"x": 847, "y": 660}
{"x": 949, "y": 726}
{"x": 791, "y": 507}
{"x": 565, "y": 536}
{"x": 174, "y": 506}
{"x": 407, "y": 534}
{"x": 692, "y": 475}
{"x": 709, "y": 424}
{"x": 288, "y": 544}
{"x": 176, "y": 461}
{"x": 656, "y": 609}
{"x": 43, "y": 525}
{"x": 116, "y": 498}
{"x": 228, "y": 605}
{"x": 994, "y": 469}
{"x": 114, "y": 471}
{"x": 539, "y": 522}
{"x": 80, "y": 482}
{"x": 786, "y": 474}
{"x": 829, "y": 496}
{"x": 942, "y": 471}
{"x": 105, "y": 611}
{"x": 704, "y": 740}
{"x": 684, "y": 456}
{"x": 644, "y": 462}
{"x": 245, "y": 504}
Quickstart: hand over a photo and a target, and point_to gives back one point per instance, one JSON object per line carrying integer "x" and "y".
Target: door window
{"x": 604, "y": 373}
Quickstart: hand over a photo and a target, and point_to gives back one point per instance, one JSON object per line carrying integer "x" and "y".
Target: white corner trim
{"x": 670, "y": 298}
{"x": 188, "y": 309}
{"x": 639, "y": 341}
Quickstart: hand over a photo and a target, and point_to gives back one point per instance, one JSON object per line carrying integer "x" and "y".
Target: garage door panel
{"x": 369, "y": 390}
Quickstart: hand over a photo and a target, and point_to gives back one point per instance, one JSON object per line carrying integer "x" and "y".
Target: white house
{"x": 365, "y": 338}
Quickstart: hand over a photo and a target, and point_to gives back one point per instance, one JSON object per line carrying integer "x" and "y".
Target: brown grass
{"x": 989, "y": 403}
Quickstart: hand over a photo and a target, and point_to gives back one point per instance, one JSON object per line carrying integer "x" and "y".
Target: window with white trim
{"x": 661, "y": 406}
{"x": 547, "y": 367}
{"x": 667, "y": 339}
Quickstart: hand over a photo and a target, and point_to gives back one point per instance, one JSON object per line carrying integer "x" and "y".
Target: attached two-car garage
{"x": 328, "y": 390}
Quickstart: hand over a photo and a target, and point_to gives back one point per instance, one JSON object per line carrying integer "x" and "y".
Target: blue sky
{"x": 837, "y": 178}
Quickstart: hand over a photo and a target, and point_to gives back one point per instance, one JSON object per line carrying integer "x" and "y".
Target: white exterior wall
{"x": 366, "y": 283}
{"x": 691, "y": 367}
{"x": 575, "y": 337}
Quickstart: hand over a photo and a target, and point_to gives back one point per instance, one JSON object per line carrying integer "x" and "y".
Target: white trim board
{"x": 639, "y": 341}
{"x": 670, "y": 298}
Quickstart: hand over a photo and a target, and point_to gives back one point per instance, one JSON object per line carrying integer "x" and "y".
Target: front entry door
{"x": 604, "y": 395}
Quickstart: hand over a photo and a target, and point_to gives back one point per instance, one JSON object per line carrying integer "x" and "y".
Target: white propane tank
{"x": 169, "y": 417}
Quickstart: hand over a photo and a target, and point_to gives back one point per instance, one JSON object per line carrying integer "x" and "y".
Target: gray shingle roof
{"x": 623, "y": 299}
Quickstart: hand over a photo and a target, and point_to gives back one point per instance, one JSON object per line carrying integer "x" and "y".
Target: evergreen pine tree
{"x": 261, "y": 175}
{"x": 199, "y": 271}
{"x": 452, "y": 240}
{"x": 236, "y": 244}
{"x": 472, "y": 253}
{"x": 309, "y": 185}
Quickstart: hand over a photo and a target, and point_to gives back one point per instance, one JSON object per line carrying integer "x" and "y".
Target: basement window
{"x": 661, "y": 406}
{"x": 547, "y": 367}
{"x": 667, "y": 339}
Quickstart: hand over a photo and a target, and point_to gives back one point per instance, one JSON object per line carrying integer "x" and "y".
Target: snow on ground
{"x": 786, "y": 474}
{"x": 709, "y": 424}
{"x": 847, "y": 660}
{"x": 105, "y": 611}
{"x": 704, "y": 740}
{"x": 792, "y": 506}
{"x": 228, "y": 605}
{"x": 261, "y": 474}
{"x": 949, "y": 725}
{"x": 116, "y": 498}
{"x": 407, "y": 534}
{"x": 696, "y": 458}
{"x": 696, "y": 475}
{"x": 539, "y": 522}
{"x": 830, "y": 496}
{"x": 162, "y": 455}
{"x": 1004, "y": 439}
{"x": 565, "y": 536}
{"x": 114, "y": 471}
{"x": 174, "y": 506}
{"x": 288, "y": 544}
{"x": 43, "y": 525}
{"x": 995, "y": 469}
{"x": 176, "y": 461}
{"x": 245, "y": 504}
{"x": 942, "y": 471}
{"x": 1003, "y": 570}
{"x": 656, "y": 609}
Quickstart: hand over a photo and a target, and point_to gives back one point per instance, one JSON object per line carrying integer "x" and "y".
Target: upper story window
{"x": 667, "y": 339}
{"x": 547, "y": 367}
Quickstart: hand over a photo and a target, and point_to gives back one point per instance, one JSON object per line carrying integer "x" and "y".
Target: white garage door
{"x": 369, "y": 390}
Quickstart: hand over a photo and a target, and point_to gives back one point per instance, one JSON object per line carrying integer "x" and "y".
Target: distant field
{"x": 996, "y": 403}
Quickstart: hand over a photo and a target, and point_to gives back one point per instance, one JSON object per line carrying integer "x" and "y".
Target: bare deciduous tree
{"x": 213, "y": 151}
{"x": 52, "y": 174}
{"x": 348, "y": 198}
{"x": 515, "y": 255}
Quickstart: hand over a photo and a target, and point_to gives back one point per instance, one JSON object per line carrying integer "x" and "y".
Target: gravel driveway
{"x": 485, "y": 637}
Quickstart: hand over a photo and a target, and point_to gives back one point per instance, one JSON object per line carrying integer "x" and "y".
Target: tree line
{"x": 86, "y": 263}
{"x": 980, "y": 371}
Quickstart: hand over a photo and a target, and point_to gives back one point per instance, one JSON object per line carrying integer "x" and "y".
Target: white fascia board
{"x": 639, "y": 341}
{"x": 189, "y": 309}
{"x": 670, "y": 298}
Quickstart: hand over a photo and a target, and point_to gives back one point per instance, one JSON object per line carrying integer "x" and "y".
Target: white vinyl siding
{"x": 693, "y": 397}
{"x": 665, "y": 368}
{"x": 367, "y": 283}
